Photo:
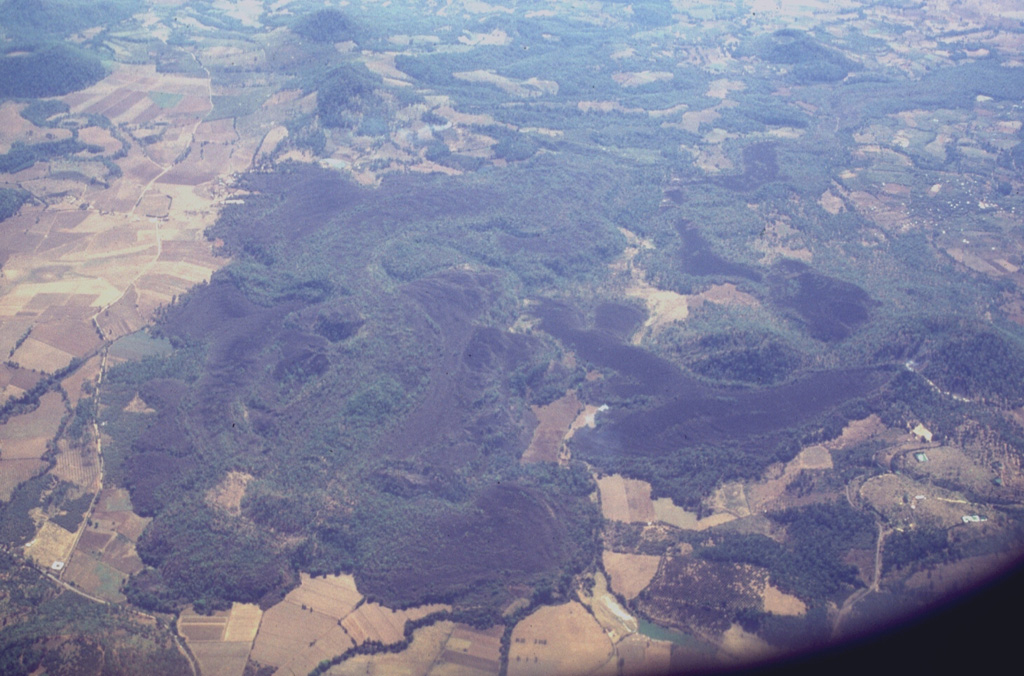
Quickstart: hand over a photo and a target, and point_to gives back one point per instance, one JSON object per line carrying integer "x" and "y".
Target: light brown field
{"x": 586, "y": 418}
{"x": 668, "y": 512}
{"x": 724, "y": 294}
{"x": 858, "y": 431}
{"x": 949, "y": 464}
{"x": 28, "y": 428}
{"x": 51, "y": 543}
{"x": 692, "y": 120}
{"x": 320, "y": 619}
{"x": 770, "y": 492}
{"x": 221, "y": 641}
{"x": 423, "y": 656}
{"x": 270, "y": 143}
{"x": 221, "y": 658}
{"x": 287, "y": 632}
{"x": 137, "y": 405}
{"x": 471, "y": 651}
{"x": 663, "y": 307}
{"x": 13, "y": 127}
{"x": 554, "y": 422}
{"x": 228, "y": 493}
{"x": 895, "y": 497}
{"x": 23, "y": 449}
{"x": 630, "y": 573}
{"x": 333, "y": 595}
{"x": 627, "y": 500}
{"x": 781, "y": 603}
{"x": 374, "y": 622}
{"x": 605, "y": 107}
{"x": 563, "y": 639}
{"x": 75, "y": 338}
{"x": 637, "y": 79}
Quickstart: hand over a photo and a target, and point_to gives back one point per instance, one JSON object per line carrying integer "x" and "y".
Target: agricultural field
{"x": 322, "y": 618}
{"x": 221, "y": 641}
{"x": 630, "y": 573}
{"x": 560, "y": 639}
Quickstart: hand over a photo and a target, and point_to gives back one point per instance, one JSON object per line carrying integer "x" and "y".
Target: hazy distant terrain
{"x": 460, "y": 338}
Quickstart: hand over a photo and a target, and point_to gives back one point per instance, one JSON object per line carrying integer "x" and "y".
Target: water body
{"x": 688, "y": 641}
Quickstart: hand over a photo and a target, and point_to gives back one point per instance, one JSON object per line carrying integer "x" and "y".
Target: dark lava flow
{"x": 664, "y": 409}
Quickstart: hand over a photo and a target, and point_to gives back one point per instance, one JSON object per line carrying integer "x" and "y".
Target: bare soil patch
{"x": 228, "y": 494}
{"x": 781, "y": 603}
{"x": 23, "y": 449}
{"x": 554, "y": 421}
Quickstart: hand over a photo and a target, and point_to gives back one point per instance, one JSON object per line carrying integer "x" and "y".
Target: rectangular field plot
{"x": 626, "y": 500}
{"x": 94, "y": 577}
{"x": 473, "y": 649}
{"x": 221, "y": 659}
